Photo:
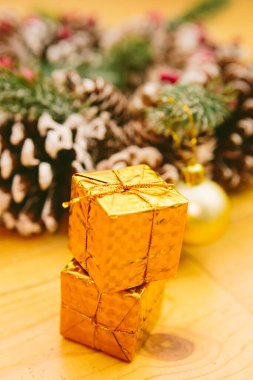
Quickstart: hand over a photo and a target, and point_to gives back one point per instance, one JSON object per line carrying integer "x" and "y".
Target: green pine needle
{"x": 32, "y": 98}
{"x": 198, "y": 12}
{"x": 132, "y": 53}
{"x": 128, "y": 57}
{"x": 180, "y": 105}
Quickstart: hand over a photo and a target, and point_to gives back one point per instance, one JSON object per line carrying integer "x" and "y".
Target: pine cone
{"x": 233, "y": 163}
{"x": 184, "y": 45}
{"x": 75, "y": 42}
{"x": 37, "y": 33}
{"x": 137, "y": 133}
{"x": 169, "y": 173}
{"x": 25, "y": 40}
{"x": 97, "y": 140}
{"x": 37, "y": 160}
{"x": 35, "y": 169}
{"x": 132, "y": 155}
{"x": 12, "y": 45}
{"x": 229, "y": 53}
{"x": 137, "y": 130}
{"x": 71, "y": 40}
{"x": 39, "y": 153}
{"x": 100, "y": 95}
{"x": 34, "y": 172}
{"x": 145, "y": 96}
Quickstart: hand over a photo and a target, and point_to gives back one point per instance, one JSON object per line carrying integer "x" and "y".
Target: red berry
{"x": 156, "y": 17}
{"x": 7, "y": 62}
{"x": 168, "y": 76}
{"x": 6, "y": 26}
{"x": 91, "y": 21}
{"x": 28, "y": 73}
{"x": 202, "y": 38}
{"x": 233, "y": 104}
{"x": 64, "y": 32}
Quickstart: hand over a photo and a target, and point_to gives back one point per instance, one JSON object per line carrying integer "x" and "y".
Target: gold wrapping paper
{"x": 115, "y": 323}
{"x": 126, "y": 226}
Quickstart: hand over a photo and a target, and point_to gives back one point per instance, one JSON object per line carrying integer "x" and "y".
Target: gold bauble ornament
{"x": 209, "y": 207}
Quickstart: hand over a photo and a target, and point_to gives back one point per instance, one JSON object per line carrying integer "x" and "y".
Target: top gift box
{"x": 126, "y": 226}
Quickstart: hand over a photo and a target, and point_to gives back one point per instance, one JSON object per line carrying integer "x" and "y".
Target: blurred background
{"x": 236, "y": 23}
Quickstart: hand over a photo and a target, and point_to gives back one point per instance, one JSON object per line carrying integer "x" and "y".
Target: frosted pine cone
{"x": 37, "y": 33}
{"x": 137, "y": 130}
{"x": 34, "y": 172}
{"x": 138, "y": 133}
{"x": 98, "y": 139}
{"x": 169, "y": 173}
{"x": 132, "y": 155}
{"x": 25, "y": 40}
{"x": 67, "y": 40}
{"x": 12, "y": 45}
{"x": 76, "y": 41}
{"x": 37, "y": 160}
{"x": 100, "y": 95}
{"x": 233, "y": 163}
{"x": 44, "y": 138}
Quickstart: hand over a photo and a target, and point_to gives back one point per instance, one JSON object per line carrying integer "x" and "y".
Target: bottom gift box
{"x": 115, "y": 323}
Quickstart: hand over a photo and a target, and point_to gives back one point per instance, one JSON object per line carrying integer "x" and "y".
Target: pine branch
{"x": 129, "y": 56}
{"x": 198, "y": 12}
{"x": 181, "y": 105}
{"x": 31, "y": 98}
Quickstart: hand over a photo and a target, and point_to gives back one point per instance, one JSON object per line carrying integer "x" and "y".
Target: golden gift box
{"x": 126, "y": 226}
{"x": 115, "y": 323}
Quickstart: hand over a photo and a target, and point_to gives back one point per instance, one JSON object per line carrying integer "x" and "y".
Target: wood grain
{"x": 206, "y": 328}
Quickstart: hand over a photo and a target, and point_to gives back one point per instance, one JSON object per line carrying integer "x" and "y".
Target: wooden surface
{"x": 206, "y": 328}
{"x": 205, "y": 331}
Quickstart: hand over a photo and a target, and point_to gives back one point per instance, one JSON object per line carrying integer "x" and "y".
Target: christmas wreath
{"x": 76, "y": 97}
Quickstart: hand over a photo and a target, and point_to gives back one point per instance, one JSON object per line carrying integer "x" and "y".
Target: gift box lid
{"x": 128, "y": 190}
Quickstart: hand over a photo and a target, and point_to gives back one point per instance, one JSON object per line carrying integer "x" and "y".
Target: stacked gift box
{"x": 125, "y": 233}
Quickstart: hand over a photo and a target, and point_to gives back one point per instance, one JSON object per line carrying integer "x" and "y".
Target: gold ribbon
{"x": 102, "y": 188}
{"x": 93, "y": 322}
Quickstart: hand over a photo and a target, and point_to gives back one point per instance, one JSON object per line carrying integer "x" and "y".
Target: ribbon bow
{"x": 102, "y": 188}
